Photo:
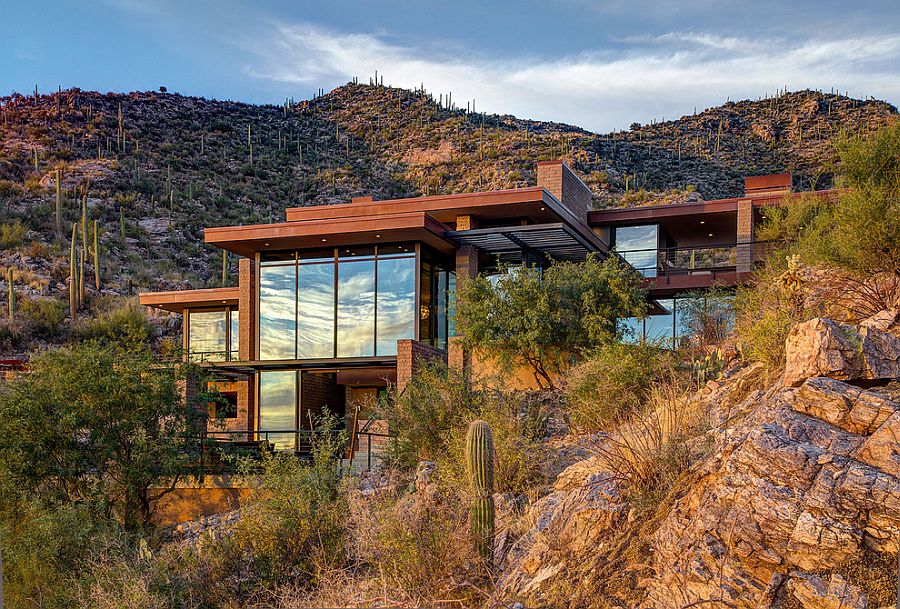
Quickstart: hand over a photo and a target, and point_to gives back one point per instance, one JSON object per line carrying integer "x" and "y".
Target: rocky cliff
{"x": 796, "y": 502}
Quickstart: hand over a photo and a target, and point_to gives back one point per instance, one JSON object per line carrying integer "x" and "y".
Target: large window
{"x": 277, "y": 311}
{"x": 212, "y": 335}
{"x": 689, "y": 316}
{"x": 278, "y": 407}
{"x": 351, "y": 302}
{"x": 639, "y": 246}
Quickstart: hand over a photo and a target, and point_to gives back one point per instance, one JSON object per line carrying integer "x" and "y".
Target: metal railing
{"x": 216, "y": 445}
{"x": 691, "y": 260}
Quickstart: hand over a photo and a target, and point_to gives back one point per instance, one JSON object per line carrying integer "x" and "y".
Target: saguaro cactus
{"x": 480, "y": 469}
{"x": 12, "y": 294}
{"x": 73, "y": 275}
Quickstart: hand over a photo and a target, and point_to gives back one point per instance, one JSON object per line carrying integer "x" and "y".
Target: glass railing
{"x": 683, "y": 260}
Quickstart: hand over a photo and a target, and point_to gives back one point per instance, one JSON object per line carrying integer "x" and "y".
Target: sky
{"x": 601, "y": 65}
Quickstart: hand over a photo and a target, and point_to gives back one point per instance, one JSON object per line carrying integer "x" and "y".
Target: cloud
{"x": 644, "y": 77}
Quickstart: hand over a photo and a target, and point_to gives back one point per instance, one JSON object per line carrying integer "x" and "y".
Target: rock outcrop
{"x": 798, "y": 504}
{"x": 822, "y": 347}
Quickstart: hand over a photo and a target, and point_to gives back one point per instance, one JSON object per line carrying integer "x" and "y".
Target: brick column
{"x": 744, "y": 252}
{"x": 247, "y": 309}
{"x": 247, "y": 338}
{"x": 467, "y": 222}
{"x": 411, "y": 354}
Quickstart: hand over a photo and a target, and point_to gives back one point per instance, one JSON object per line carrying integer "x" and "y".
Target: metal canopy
{"x": 558, "y": 241}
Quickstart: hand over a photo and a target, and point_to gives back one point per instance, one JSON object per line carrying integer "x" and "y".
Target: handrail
{"x": 354, "y": 438}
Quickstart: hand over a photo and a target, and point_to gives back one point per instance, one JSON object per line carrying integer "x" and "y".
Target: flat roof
{"x": 331, "y": 232}
{"x": 179, "y": 300}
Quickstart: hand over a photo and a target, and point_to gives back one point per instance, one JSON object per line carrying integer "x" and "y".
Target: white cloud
{"x": 646, "y": 77}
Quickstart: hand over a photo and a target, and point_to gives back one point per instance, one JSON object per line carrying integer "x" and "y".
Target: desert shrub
{"x": 430, "y": 418}
{"x": 707, "y": 316}
{"x": 546, "y": 319}
{"x": 765, "y": 311}
{"x": 615, "y": 380}
{"x": 99, "y": 425}
{"x": 42, "y": 547}
{"x": 44, "y": 316}
{"x": 418, "y": 546}
{"x": 293, "y": 526}
{"x": 12, "y": 234}
{"x": 118, "y": 322}
{"x": 649, "y": 448}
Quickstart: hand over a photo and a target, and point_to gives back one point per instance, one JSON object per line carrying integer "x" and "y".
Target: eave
{"x": 178, "y": 301}
{"x": 331, "y": 232}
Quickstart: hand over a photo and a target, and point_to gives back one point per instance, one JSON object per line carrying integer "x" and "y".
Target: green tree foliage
{"x": 546, "y": 319}
{"x": 95, "y": 424}
{"x": 858, "y": 231}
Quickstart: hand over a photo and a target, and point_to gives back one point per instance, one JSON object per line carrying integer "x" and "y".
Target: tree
{"x": 549, "y": 319}
{"x": 98, "y": 425}
{"x": 858, "y": 232}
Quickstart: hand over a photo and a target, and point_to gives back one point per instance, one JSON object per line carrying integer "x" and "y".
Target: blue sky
{"x": 600, "y": 65}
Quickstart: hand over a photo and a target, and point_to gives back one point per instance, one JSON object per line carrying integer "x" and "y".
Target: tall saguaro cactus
{"x": 12, "y": 294}
{"x": 480, "y": 469}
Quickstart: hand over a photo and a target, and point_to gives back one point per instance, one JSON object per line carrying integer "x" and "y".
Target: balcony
{"x": 685, "y": 268}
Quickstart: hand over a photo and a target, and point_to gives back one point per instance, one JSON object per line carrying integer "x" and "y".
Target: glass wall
{"x": 212, "y": 335}
{"x": 437, "y": 300}
{"x": 672, "y": 321}
{"x": 277, "y": 310}
{"x": 351, "y": 302}
{"x": 278, "y": 407}
{"x": 639, "y": 246}
{"x": 315, "y": 309}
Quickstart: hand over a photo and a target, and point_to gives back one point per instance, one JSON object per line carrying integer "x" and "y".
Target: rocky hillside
{"x": 155, "y": 168}
{"x": 794, "y": 500}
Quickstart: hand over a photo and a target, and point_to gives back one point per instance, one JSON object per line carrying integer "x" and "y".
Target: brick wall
{"x": 412, "y": 354}
{"x": 557, "y": 178}
{"x": 458, "y": 357}
{"x": 744, "y": 252}
{"x": 318, "y": 391}
{"x": 245, "y": 414}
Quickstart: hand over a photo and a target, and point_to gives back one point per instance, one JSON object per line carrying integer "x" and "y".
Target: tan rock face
{"x": 814, "y": 592}
{"x": 822, "y": 347}
{"x": 807, "y": 482}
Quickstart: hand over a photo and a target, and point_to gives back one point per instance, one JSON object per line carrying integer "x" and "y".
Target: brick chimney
{"x": 562, "y": 183}
{"x": 767, "y": 185}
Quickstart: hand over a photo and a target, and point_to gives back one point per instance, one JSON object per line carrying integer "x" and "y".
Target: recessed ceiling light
{"x": 378, "y": 236}
{"x": 324, "y": 240}
{"x": 265, "y": 244}
{"x": 702, "y": 221}
{"x": 543, "y": 208}
{"x": 224, "y": 302}
{"x": 710, "y": 234}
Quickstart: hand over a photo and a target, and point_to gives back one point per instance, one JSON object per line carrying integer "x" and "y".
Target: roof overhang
{"x": 331, "y": 232}
{"x": 533, "y": 202}
{"x": 178, "y": 301}
{"x": 558, "y": 240}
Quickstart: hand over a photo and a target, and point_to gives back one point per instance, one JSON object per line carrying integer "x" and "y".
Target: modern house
{"x": 339, "y": 301}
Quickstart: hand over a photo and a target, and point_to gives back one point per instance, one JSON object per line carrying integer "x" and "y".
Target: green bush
{"x": 123, "y": 323}
{"x": 614, "y": 381}
{"x": 547, "y": 319}
{"x": 44, "y": 316}
{"x": 12, "y": 234}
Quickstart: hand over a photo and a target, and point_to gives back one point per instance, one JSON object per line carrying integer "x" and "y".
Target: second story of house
{"x": 340, "y": 285}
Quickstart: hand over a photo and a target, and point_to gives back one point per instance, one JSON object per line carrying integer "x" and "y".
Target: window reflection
{"x": 638, "y": 245}
{"x": 235, "y": 335}
{"x": 277, "y": 312}
{"x": 315, "y": 310}
{"x": 278, "y": 407}
{"x": 356, "y": 308}
{"x": 207, "y": 335}
{"x": 396, "y": 303}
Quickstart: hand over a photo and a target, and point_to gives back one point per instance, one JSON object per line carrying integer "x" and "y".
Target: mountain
{"x": 155, "y": 168}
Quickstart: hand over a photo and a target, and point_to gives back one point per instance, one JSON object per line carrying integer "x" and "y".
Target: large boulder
{"x": 823, "y": 347}
{"x": 814, "y": 592}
